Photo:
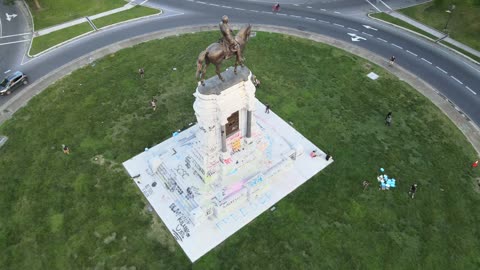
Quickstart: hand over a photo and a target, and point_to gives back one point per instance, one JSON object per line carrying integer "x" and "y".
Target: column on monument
{"x": 224, "y": 139}
{"x": 249, "y": 124}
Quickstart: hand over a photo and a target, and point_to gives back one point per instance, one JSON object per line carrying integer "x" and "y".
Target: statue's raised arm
{"x": 226, "y": 48}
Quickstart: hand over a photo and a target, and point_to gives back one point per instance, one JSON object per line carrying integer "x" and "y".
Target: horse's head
{"x": 244, "y": 33}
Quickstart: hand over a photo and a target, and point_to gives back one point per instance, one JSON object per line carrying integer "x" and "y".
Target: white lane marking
{"x": 239, "y": 8}
{"x": 353, "y": 29}
{"x": 395, "y": 45}
{"x": 386, "y": 5}
{"x": 312, "y": 19}
{"x": 7, "y": 71}
{"x": 460, "y": 82}
{"x": 322, "y": 9}
{"x": 267, "y": 12}
{"x": 382, "y": 39}
{"x": 309, "y": 7}
{"x": 367, "y": 34}
{"x": 295, "y": 16}
{"x": 282, "y": 14}
{"x": 190, "y": 1}
{"x": 295, "y": 5}
{"x": 338, "y": 25}
{"x": 354, "y": 37}
{"x": 215, "y": 5}
{"x": 254, "y": 10}
{"x": 439, "y": 68}
{"x": 469, "y": 89}
{"x": 414, "y": 54}
{"x": 337, "y": 12}
{"x": 22, "y": 34}
{"x": 13, "y": 42}
{"x": 226, "y": 7}
{"x": 426, "y": 60}
{"x": 374, "y": 6}
{"x": 369, "y": 27}
{"x": 323, "y": 21}
{"x": 200, "y": 2}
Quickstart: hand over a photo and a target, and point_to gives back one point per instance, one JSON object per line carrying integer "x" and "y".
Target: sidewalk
{"x": 85, "y": 19}
{"x": 434, "y": 32}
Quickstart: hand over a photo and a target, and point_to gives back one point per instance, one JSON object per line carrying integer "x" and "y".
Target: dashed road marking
{"x": 267, "y": 12}
{"x": 252, "y": 10}
{"x": 367, "y": 34}
{"x": 460, "y": 82}
{"x": 426, "y": 60}
{"x": 395, "y": 45}
{"x": 200, "y": 2}
{"x": 337, "y": 12}
{"x": 441, "y": 69}
{"x": 353, "y": 29}
{"x": 312, "y": 19}
{"x": 414, "y": 54}
{"x": 469, "y": 89}
{"x": 381, "y": 39}
{"x": 7, "y": 71}
{"x": 323, "y": 21}
{"x": 282, "y": 14}
{"x": 295, "y": 16}
{"x": 215, "y": 5}
{"x": 338, "y": 25}
{"x": 296, "y": 5}
{"x": 226, "y": 7}
{"x": 239, "y": 8}
{"x": 309, "y": 7}
{"x": 322, "y": 9}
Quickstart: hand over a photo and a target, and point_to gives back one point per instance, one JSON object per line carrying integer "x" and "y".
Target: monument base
{"x": 273, "y": 163}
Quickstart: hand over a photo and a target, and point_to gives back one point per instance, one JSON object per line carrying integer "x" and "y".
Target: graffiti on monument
{"x": 182, "y": 229}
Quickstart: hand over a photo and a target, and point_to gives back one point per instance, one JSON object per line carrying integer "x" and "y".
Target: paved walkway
{"x": 86, "y": 19}
{"x": 434, "y": 32}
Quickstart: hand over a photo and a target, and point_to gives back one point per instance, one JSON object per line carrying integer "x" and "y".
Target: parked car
{"x": 12, "y": 81}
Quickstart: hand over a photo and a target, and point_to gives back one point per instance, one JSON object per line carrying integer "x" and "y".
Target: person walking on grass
{"x": 388, "y": 119}
{"x": 413, "y": 190}
{"x": 141, "y": 72}
{"x": 153, "y": 103}
{"x": 65, "y": 149}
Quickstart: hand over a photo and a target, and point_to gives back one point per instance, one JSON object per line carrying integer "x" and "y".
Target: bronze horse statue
{"x": 217, "y": 52}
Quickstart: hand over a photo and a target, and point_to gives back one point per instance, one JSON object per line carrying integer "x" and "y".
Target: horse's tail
{"x": 200, "y": 60}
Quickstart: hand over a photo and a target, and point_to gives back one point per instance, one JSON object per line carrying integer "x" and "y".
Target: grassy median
{"x": 135, "y": 12}
{"x": 82, "y": 211}
{"x": 464, "y": 24}
{"x": 44, "y": 42}
{"x": 53, "y": 12}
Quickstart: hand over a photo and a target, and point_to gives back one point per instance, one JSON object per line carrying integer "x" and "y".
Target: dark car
{"x": 12, "y": 81}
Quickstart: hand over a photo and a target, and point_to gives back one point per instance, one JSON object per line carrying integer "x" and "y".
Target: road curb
{"x": 463, "y": 123}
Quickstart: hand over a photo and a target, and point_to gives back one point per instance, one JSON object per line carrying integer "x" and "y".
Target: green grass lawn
{"x": 82, "y": 211}
{"x": 44, "y": 42}
{"x": 54, "y": 12}
{"x": 464, "y": 25}
{"x": 135, "y": 12}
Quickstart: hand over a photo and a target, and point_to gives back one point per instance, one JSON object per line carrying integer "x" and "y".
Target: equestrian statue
{"x": 224, "y": 49}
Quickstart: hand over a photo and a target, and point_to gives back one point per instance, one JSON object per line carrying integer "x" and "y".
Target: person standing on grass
{"x": 388, "y": 119}
{"x": 141, "y": 71}
{"x": 267, "y": 108}
{"x": 65, "y": 149}
{"x": 413, "y": 190}
{"x": 153, "y": 103}
{"x": 365, "y": 185}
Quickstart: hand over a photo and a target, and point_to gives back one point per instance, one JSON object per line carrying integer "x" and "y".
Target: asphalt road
{"x": 450, "y": 74}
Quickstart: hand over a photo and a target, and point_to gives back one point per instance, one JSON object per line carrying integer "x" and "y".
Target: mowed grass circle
{"x": 82, "y": 211}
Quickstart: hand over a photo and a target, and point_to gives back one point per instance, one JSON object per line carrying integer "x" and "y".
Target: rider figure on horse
{"x": 230, "y": 42}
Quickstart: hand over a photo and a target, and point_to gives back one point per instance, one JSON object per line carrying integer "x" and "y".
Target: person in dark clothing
{"x": 267, "y": 108}
{"x": 413, "y": 190}
{"x": 388, "y": 119}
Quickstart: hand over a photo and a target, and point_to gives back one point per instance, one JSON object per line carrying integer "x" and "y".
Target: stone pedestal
{"x": 224, "y": 111}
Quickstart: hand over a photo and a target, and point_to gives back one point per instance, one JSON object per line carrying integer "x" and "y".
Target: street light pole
{"x": 450, "y": 12}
